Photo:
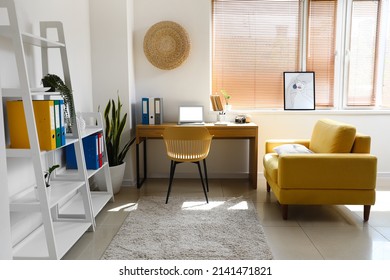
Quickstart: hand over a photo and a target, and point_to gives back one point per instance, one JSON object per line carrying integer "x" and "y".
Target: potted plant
{"x": 56, "y": 84}
{"x": 114, "y": 125}
{"x": 227, "y": 98}
{"x": 47, "y": 174}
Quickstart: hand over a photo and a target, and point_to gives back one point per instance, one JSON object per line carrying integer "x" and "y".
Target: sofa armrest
{"x": 327, "y": 171}
{"x": 361, "y": 144}
{"x": 272, "y": 143}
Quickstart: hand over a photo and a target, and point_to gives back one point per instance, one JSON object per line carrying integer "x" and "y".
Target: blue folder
{"x": 145, "y": 110}
{"x": 91, "y": 153}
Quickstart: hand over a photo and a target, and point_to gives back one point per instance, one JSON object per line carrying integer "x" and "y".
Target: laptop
{"x": 191, "y": 115}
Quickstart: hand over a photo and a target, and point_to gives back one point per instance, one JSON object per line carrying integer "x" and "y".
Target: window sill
{"x": 359, "y": 112}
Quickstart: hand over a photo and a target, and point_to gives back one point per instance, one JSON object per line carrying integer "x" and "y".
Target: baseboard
{"x": 383, "y": 175}
{"x": 133, "y": 183}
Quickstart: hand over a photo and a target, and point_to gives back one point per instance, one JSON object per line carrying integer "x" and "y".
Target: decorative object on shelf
{"x": 56, "y": 84}
{"x": 48, "y": 174}
{"x": 114, "y": 128}
{"x": 166, "y": 45}
{"x": 299, "y": 90}
{"x": 81, "y": 122}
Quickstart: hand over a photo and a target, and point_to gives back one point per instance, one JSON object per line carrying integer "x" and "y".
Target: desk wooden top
{"x": 230, "y": 131}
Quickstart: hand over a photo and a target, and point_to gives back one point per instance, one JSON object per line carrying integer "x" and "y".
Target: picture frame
{"x": 299, "y": 90}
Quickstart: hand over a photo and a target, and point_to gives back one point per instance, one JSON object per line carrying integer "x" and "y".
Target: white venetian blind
{"x": 386, "y": 76}
{"x": 362, "y": 53}
{"x": 321, "y": 48}
{"x": 254, "y": 42}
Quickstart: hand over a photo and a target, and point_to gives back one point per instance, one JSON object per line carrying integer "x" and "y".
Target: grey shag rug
{"x": 190, "y": 229}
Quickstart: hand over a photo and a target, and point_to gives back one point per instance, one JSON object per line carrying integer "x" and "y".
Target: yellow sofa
{"x": 333, "y": 167}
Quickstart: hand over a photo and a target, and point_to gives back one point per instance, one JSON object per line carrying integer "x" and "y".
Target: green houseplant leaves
{"x": 56, "y": 84}
{"x": 114, "y": 129}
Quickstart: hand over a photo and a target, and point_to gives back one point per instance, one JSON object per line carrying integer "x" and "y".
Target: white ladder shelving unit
{"x": 68, "y": 211}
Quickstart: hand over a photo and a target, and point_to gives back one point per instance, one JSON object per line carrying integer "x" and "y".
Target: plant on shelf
{"x": 114, "y": 129}
{"x": 56, "y": 84}
{"x": 48, "y": 174}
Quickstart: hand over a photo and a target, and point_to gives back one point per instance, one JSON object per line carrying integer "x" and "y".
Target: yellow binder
{"x": 44, "y": 118}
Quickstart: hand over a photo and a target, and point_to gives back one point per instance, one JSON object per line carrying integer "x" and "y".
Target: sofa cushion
{"x": 332, "y": 137}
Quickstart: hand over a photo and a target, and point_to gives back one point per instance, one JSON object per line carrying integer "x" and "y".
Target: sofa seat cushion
{"x": 330, "y": 136}
{"x": 270, "y": 162}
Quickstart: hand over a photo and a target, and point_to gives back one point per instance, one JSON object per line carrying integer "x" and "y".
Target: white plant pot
{"x": 117, "y": 173}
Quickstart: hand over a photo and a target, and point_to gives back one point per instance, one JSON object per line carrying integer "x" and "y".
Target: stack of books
{"x": 216, "y": 102}
{"x": 152, "y": 110}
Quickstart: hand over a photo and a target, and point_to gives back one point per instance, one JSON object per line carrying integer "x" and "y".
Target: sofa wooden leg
{"x": 284, "y": 211}
{"x": 268, "y": 187}
{"x": 366, "y": 212}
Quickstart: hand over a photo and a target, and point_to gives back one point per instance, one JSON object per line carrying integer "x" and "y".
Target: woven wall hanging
{"x": 166, "y": 45}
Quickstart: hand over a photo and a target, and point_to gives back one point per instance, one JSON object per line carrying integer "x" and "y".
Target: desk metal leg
{"x": 139, "y": 181}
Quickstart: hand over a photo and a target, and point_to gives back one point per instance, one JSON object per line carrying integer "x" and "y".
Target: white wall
{"x": 112, "y": 61}
{"x": 190, "y": 83}
{"x": 74, "y": 15}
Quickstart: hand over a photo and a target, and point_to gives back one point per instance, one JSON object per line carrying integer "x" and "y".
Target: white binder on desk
{"x": 151, "y": 111}
{"x": 158, "y": 110}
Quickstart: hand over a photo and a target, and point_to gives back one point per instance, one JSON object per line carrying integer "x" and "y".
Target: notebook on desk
{"x": 191, "y": 115}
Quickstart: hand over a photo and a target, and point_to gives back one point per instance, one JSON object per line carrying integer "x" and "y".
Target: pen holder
{"x": 221, "y": 117}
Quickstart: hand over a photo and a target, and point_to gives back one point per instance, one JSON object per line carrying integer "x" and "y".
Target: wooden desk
{"x": 232, "y": 131}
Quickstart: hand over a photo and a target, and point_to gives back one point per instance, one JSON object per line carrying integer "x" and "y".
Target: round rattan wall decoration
{"x": 166, "y": 45}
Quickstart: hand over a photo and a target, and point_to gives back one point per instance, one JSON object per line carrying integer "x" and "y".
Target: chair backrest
{"x": 330, "y": 136}
{"x": 187, "y": 144}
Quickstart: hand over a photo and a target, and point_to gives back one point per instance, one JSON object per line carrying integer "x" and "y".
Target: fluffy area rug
{"x": 190, "y": 229}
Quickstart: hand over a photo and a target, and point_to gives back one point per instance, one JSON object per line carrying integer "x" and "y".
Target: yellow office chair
{"x": 187, "y": 144}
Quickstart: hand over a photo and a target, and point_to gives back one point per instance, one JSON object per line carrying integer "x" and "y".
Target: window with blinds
{"x": 254, "y": 42}
{"x": 321, "y": 40}
{"x": 386, "y": 75}
{"x": 362, "y": 53}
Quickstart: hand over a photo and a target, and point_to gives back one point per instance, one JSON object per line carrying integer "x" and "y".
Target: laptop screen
{"x": 190, "y": 114}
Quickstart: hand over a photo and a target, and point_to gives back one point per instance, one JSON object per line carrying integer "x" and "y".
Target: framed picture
{"x": 299, "y": 90}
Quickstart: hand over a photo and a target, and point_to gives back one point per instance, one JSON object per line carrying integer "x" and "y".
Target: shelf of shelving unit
{"x": 21, "y": 153}
{"x": 40, "y": 41}
{"x": 34, "y": 246}
{"x": 99, "y": 200}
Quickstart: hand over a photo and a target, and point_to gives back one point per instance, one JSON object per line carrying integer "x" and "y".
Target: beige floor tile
{"x": 385, "y": 231}
{"x": 349, "y": 243}
{"x": 270, "y": 215}
{"x": 290, "y": 243}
